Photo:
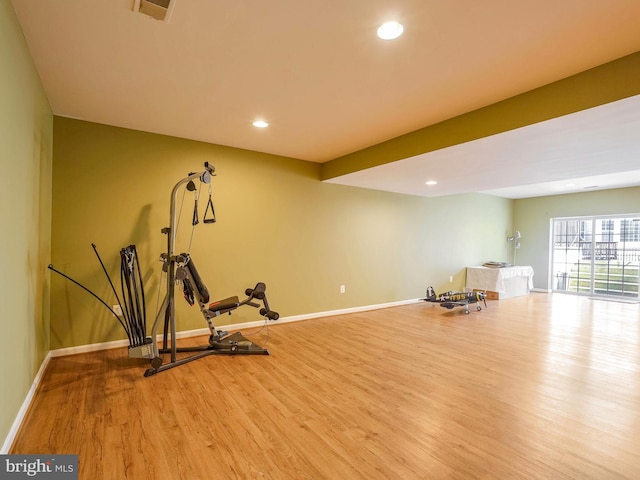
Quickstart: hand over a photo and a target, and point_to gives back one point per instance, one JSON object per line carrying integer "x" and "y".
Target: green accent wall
{"x": 276, "y": 223}
{"x": 532, "y": 216}
{"x": 603, "y": 84}
{"x": 25, "y": 204}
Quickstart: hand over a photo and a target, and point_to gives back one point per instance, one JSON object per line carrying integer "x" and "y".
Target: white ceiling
{"x": 328, "y": 86}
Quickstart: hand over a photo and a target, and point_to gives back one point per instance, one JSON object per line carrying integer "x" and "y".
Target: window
{"x": 631, "y": 230}
{"x": 596, "y": 255}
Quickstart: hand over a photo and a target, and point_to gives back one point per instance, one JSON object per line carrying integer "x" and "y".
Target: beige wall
{"x": 277, "y": 223}
{"x": 25, "y": 205}
{"x": 533, "y": 216}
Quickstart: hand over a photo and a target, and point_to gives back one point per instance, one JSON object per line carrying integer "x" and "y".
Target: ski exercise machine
{"x": 179, "y": 268}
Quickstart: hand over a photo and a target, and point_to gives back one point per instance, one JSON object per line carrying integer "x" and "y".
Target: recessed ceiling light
{"x": 390, "y": 30}
{"x": 431, "y": 182}
{"x": 260, "y": 124}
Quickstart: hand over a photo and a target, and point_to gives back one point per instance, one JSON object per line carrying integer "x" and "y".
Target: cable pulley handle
{"x": 195, "y": 220}
{"x": 206, "y": 211}
{"x": 191, "y": 186}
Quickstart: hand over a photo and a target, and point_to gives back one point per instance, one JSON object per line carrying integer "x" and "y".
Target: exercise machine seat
{"x": 223, "y": 305}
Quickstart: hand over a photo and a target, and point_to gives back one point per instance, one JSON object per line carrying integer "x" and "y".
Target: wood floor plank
{"x": 536, "y": 387}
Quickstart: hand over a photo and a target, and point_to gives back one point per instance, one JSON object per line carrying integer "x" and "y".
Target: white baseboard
{"x": 91, "y": 347}
{"x": 344, "y": 311}
{"x": 17, "y": 422}
{"x": 94, "y": 347}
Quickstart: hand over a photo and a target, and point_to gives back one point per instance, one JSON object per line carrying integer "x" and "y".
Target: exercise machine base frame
{"x": 234, "y": 344}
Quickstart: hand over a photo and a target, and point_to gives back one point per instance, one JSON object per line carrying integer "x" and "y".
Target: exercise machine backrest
{"x": 194, "y": 279}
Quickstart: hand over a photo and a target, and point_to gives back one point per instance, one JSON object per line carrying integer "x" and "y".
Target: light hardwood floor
{"x": 537, "y": 387}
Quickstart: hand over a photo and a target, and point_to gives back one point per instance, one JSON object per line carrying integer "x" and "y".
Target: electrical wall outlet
{"x": 117, "y": 310}
{"x": 451, "y": 279}
{"x": 342, "y": 289}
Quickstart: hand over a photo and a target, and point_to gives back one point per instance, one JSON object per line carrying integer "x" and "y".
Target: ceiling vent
{"x": 158, "y": 9}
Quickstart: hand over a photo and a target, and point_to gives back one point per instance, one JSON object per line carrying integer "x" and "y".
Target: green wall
{"x": 25, "y": 205}
{"x": 532, "y": 216}
{"x": 277, "y": 223}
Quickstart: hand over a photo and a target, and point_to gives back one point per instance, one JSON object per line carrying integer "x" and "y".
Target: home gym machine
{"x": 180, "y": 267}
